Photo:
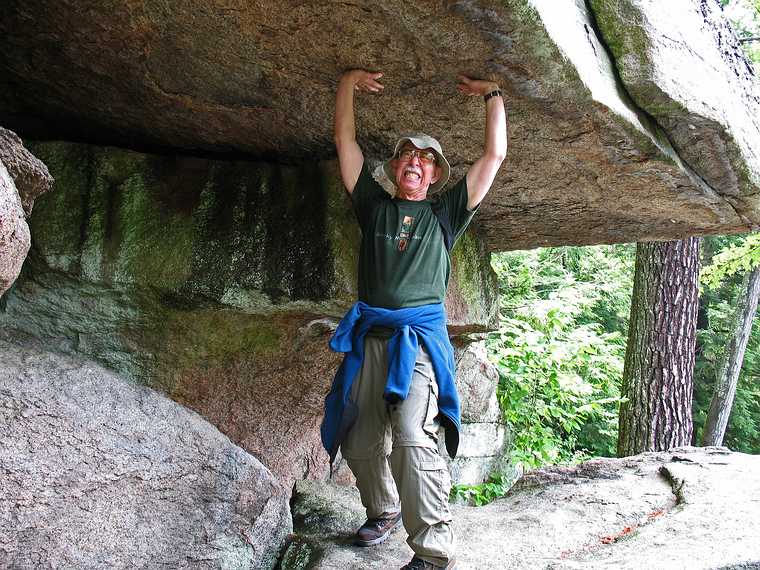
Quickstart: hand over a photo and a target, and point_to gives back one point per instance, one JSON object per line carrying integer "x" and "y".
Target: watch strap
{"x": 494, "y": 93}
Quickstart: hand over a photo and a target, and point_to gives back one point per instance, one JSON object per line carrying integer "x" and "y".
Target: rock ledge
{"x": 694, "y": 508}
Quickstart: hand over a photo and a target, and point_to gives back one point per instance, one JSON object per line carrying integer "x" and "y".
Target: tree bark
{"x": 658, "y": 374}
{"x": 731, "y": 364}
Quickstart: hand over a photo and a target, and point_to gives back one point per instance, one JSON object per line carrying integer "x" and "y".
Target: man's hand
{"x": 350, "y": 156}
{"x": 482, "y": 173}
{"x": 363, "y": 80}
{"x": 479, "y": 87}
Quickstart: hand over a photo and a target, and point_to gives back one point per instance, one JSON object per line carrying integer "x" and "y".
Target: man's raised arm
{"x": 350, "y": 155}
{"x": 482, "y": 173}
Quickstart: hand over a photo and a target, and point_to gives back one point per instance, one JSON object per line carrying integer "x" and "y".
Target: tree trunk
{"x": 658, "y": 373}
{"x": 731, "y": 364}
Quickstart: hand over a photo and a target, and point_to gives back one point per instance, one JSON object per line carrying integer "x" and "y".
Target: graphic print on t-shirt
{"x": 405, "y": 233}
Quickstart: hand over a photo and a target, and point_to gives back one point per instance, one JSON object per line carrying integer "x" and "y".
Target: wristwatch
{"x": 494, "y": 93}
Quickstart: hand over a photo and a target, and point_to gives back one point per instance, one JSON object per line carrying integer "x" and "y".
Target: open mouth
{"x": 413, "y": 175}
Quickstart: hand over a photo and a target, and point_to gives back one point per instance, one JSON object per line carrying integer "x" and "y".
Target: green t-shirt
{"x": 403, "y": 260}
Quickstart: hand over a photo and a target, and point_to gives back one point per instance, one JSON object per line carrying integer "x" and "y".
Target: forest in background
{"x": 560, "y": 351}
{"x": 561, "y": 347}
{"x": 744, "y": 16}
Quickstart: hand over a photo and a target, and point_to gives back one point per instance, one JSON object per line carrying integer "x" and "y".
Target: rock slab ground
{"x": 695, "y": 508}
{"x": 99, "y": 473}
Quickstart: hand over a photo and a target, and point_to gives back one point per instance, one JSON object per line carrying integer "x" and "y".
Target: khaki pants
{"x": 393, "y": 452}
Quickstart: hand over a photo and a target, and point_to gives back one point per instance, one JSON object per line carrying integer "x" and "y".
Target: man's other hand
{"x": 362, "y": 80}
{"x": 481, "y": 87}
{"x": 350, "y": 155}
{"x": 481, "y": 174}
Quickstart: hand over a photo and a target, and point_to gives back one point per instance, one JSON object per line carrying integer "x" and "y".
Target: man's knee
{"x": 357, "y": 450}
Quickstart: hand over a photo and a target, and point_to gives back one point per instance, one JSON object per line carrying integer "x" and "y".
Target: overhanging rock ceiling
{"x": 628, "y": 119}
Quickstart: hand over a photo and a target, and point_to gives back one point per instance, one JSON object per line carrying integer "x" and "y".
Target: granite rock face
{"x": 216, "y": 282}
{"x": 29, "y": 173}
{"x": 22, "y": 179}
{"x": 711, "y": 117}
{"x": 484, "y": 443}
{"x": 607, "y": 144}
{"x": 684, "y": 508}
{"x": 101, "y": 473}
{"x": 15, "y": 239}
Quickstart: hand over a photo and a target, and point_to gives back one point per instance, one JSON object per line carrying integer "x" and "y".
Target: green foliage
{"x": 744, "y": 16}
{"x": 728, "y": 255}
{"x": 560, "y": 349}
{"x": 479, "y": 495}
{"x": 737, "y": 256}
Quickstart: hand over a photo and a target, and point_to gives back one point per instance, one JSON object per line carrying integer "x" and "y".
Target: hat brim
{"x": 421, "y": 142}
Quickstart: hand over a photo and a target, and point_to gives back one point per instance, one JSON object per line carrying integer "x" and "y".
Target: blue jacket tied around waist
{"x": 413, "y": 324}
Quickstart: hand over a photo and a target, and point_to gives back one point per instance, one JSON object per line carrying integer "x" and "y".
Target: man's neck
{"x": 414, "y": 196}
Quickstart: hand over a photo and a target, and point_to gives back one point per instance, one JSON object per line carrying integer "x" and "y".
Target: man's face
{"x": 415, "y": 169}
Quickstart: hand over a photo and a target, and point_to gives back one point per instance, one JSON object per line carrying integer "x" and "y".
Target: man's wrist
{"x": 495, "y": 92}
{"x": 348, "y": 79}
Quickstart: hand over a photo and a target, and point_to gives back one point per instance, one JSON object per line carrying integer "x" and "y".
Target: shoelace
{"x": 379, "y": 523}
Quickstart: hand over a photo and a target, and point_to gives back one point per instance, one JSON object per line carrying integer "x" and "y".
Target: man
{"x": 395, "y": 386}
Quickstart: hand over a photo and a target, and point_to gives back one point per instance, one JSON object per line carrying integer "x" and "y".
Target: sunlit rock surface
{"x": 711, "y": 112}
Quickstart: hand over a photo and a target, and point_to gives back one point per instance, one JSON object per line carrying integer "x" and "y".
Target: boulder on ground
{"x": 101, "y": 473}
{"x": 484, "y": 439}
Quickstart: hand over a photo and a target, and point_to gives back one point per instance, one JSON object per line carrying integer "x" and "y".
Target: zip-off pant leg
{"x": 409, "y": 431}
{"x": 368, "y": 443}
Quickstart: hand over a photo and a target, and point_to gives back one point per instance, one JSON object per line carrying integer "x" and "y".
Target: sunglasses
{"x": 426, "y": 156}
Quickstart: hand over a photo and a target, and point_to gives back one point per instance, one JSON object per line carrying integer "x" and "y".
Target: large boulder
{"x": 100, "y": 473}
{"x": 610, "y": 142}
{"x": 30, "y": 175}
{"x": 22, "y": 178}
{"x": 15, "y": 239}
{"x": 710, "y": 114}
{"x": 685, "y": 508}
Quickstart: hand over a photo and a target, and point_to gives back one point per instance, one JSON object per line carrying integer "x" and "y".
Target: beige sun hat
{"x": 422, "y": 142}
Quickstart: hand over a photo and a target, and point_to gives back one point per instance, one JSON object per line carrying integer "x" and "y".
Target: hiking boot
{"x": 375, "y": 531}
{"x": 420, "y": 564}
